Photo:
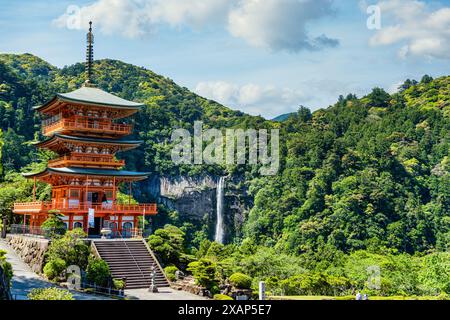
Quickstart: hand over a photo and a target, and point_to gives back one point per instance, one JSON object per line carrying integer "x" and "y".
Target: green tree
{"x": 204, "y": 272}
{"x": 98, "y": 272}
{"x": 168, "y": 244}
{"x": 70, "y": 248}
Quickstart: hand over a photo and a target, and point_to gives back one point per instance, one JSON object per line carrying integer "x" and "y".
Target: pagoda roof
{"x": 90, "y": 172}
{"x": 57, "y": 136}
{"x": 92, "y": 96}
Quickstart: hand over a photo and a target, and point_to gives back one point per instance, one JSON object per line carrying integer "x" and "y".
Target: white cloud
{"x": 133, "y": 18}
{"x": 394, "y": 88}
{"x": 280, "y": 24}
{"x": 273, "y": 24}
{"x": 271, "y": 101}
{"x": 268, "y": 101}
{"x": 412, "y": 24}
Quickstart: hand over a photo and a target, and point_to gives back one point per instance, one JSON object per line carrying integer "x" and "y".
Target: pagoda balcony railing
{"x": 40, "y": 232}
{"x": 86, "y": 124}
{"x": 86, "y": 161}
{"x": 83, "y": 207}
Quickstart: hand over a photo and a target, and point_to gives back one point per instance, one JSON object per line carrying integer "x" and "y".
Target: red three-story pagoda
{"x": 82, "y": 128}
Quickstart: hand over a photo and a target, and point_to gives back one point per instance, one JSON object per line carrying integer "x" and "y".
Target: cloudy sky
{"x": 261, "y": 56}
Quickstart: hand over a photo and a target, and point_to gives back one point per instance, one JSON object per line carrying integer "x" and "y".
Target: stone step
{"x": 137, "y": 274}
{"x": 124, "y": 254}
{"x": 130, "y": 260}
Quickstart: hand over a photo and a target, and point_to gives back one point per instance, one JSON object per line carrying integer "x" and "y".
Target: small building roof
{"x": 92, "y": 96}
{"x": 90, "y": 172}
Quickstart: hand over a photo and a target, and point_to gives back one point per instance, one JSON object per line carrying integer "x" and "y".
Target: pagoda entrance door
{"x": 95, "y": 231}
{"x": 93, "y": 198}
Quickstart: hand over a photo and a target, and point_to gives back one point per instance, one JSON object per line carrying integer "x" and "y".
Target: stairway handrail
{"x": 126, "y": 245}
{"x": 96, "y": 253}
{"x": 155, "y": 259}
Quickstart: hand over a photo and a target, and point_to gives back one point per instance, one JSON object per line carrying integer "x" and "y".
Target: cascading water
{"x": 219, "y": 210}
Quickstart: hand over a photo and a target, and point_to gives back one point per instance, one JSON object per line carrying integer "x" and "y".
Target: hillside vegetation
{"x": 363, "y": 182}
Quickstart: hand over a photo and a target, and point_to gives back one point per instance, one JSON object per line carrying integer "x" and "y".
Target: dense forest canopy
{"x": 370, "y": 173}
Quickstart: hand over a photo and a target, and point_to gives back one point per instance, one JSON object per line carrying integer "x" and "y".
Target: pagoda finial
{"x": 89, "y": 57}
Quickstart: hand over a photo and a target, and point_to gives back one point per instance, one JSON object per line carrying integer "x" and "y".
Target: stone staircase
{"x": 131, "y": 260}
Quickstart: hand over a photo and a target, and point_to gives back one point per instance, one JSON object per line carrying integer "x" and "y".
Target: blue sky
{"x": 261, "y": 56}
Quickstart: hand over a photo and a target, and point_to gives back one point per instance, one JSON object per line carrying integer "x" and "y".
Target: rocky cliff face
{"x": 192, "y": 197}
{"x": 195, "y": 198}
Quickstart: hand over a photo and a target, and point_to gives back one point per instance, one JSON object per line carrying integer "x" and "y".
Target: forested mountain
{"x": 283, "y": 117}
{"x": 370, "y": 173}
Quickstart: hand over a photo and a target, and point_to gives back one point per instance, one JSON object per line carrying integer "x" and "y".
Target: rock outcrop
{"x": 30, "y": 250}
{"x": 195, "y": 198}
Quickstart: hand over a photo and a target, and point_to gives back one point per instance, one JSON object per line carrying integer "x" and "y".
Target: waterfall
{"x": 219, "y": 210}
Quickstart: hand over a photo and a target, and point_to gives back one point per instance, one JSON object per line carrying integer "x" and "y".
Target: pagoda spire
{"x": 89, "y": 57}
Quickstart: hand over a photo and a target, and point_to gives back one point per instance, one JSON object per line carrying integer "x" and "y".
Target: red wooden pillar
{"x": 85, "y": 223}
{"x": 114, "y": 191}
{"x": 135, "y": 223}
{"x": 70, "y": 221}
{"x": 34, "y": 189}
{"x": 114, "y": 205}
{"x": 129, "y": 193}
{"x": 86, "y": 207}
{"x": 86, "y": 197}
{"x": 119, "y": 223}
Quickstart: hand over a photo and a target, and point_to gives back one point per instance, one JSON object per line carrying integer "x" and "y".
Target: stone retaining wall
{"x": 30, "y": 250}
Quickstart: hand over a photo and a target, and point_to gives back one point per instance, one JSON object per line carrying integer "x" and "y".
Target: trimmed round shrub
{"x": 54, "y": 268}
{"x": 118, "y": 284}
{"x": 240, "y": 280}
{"x": 170, "y": 272}
{"x": 214, "y": 289}
{"x": 204, "y": 272}
{"x": 222, "y": 297}
{"x": 50, "y": 294}
{"x": 98, "y": 272}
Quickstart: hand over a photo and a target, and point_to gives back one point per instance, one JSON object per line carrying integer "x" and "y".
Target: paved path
{"x": 24, "y": 279}
{"x": 163, "y": 294}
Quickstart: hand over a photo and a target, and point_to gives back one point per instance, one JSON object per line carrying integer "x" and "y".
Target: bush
{"x": 312, "y": 283}
{"x": 6, "y": 266}
{"x": 240, "y": 280}
{"x": 54, "y": 268}
{"x": 434, "y": 273}
{"x": 214, "y": 289}
{"x": 98, "y": 272}
{"x": 222, "y": 297}
{"x": 170, "y": 272}
{"x": 70, "y": 248}
{"x": 168, "y": 244}
{"x": 204, "y": 272}
{"x": 50, "y": 294}
{"x": 118, "y": 284}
